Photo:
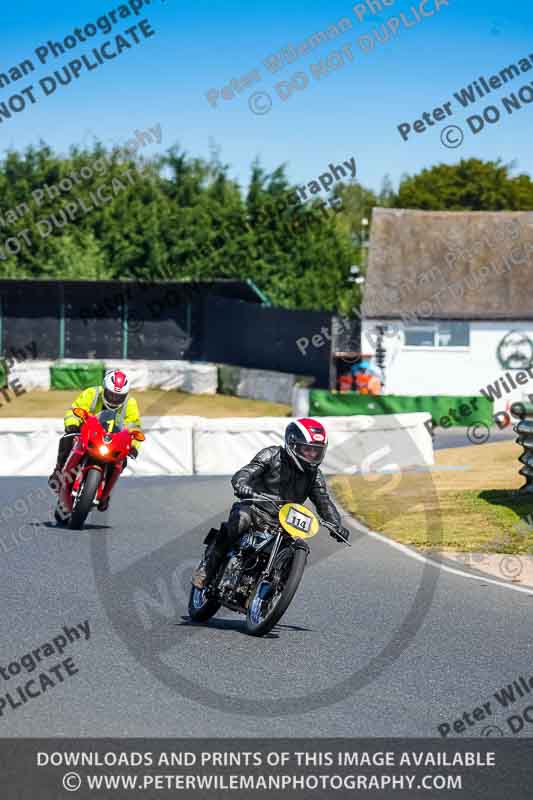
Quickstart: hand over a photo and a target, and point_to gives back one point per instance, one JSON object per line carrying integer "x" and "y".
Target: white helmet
{"x": 116, "y": 388}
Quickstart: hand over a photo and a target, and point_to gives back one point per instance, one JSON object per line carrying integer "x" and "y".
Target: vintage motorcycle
{"x": 259, "y": 578}
{"x": 93, "y": 466}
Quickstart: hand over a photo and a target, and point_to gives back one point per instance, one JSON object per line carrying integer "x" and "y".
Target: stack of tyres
{"x": 524, "y": 429}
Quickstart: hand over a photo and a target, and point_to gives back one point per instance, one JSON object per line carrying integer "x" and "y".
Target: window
{"x": 437, "y": 334}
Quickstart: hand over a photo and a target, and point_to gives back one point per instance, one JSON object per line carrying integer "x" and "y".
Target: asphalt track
{"x": 147, "y": 671}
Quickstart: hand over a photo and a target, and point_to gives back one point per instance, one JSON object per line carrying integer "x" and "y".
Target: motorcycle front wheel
{"x": 85, "y": 499}
{"x": 265, "y": 612}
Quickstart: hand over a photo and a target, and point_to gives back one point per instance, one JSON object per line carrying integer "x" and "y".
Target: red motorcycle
{"x": 93, "y": 466}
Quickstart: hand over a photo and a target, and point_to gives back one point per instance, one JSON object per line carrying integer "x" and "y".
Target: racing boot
{"x": 63, "y": 452}
{"x": 210, "y": 564}
{"x": 54, "y": 481}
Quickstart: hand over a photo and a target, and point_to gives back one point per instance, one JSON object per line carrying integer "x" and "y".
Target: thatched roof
{"x": 450, "y": 265}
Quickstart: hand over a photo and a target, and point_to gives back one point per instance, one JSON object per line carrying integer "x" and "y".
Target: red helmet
{"x": 306, "y": 442}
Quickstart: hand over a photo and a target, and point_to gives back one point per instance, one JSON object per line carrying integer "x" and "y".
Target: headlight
{"x": 104, "y": 450}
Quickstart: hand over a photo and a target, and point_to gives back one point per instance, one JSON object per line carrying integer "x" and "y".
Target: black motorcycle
{"x": 260, "y": 576}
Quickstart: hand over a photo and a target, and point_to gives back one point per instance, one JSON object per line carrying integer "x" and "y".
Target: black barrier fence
{"x": 261, "y": 337}
{"x": 226, "y": 322}
{"x": 111, "y": 319}
{"x": 242, "y": 768}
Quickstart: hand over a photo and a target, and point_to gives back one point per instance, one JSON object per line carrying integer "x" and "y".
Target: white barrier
{"x": 300, "y": 401}
{"x": 31, "y": 374}
{"x": 357, "y": 443}
{"x": 260, "y": 384}
{"x": 189, "y": 376}
{"x": 29, "y": 446}
{"x": 200, "y": 446}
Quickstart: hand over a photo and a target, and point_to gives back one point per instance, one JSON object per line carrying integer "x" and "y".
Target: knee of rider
{"x": 244, "y": 522}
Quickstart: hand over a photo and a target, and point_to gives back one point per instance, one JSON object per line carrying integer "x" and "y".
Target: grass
{"x": 153, "y": 402}
{"x": 471, "y": 510}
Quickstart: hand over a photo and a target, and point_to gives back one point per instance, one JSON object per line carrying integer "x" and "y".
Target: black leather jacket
{"x": 273, "y": 471}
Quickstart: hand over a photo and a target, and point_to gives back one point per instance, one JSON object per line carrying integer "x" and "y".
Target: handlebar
{"x": 330, "y": 526}
{"x": 262, "y": 498}
{"x": 270, "y": 498}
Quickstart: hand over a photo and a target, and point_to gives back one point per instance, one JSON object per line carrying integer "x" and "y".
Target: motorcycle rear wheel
{"x": 260, "y": 616}
{"x": 84, "y": 501}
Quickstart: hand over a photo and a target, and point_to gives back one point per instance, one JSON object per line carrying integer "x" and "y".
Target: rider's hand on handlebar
{"x": 244, "y": 491}
{"x": 344, "y": 532}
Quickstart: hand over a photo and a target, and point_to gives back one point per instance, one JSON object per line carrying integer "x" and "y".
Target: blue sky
{"x": 352, "y": 111}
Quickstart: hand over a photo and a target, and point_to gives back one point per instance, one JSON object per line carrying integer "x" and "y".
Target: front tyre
{"x": 287, "y": 570}
{"x": 85, "y": 499}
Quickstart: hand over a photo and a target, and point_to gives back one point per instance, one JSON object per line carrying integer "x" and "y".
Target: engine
{"x": 239, "y": 577}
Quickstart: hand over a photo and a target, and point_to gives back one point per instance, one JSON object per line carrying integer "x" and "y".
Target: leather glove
{"x": 343, "y": 532}
{"x": 242, "y": 490}
{"x": 133, "y": 453}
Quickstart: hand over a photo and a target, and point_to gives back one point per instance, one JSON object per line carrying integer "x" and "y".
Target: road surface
{"x": 375, "y": 643}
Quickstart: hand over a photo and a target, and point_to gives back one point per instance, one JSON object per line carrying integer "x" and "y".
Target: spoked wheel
{"x": 271, "y": 599}
{"x": 201, "y": 606}
{"x": 85, "y": 499}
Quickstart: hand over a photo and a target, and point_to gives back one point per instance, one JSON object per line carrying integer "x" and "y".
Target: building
{"x": 450, "y": 297}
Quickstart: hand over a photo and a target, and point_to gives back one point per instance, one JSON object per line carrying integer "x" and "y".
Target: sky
{"x": 352, "y": 109}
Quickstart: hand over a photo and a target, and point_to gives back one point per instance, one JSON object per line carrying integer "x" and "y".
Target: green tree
{"x": 470, "y": 185}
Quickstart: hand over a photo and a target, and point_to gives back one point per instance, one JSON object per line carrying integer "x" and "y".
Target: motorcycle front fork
{"x": 273, "y": 554}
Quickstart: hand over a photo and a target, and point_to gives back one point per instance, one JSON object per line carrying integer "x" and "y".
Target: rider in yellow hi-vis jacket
{"x": 113, "y": 396}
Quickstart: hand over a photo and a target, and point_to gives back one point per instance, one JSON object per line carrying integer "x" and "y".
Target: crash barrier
{"x": 259, "y": 384}
{"x": 195, "y": 378}
{"x": 524, "y": 429}
{"x": 200, "y": 446}
{"x": 31, "y": 375}
{"x": 221, "y": 446}
{"x": 187, "y": 376}
{"x": 447, "y": 411}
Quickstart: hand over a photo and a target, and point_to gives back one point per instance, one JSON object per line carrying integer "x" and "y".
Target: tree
{"x": 470, "y": 185}
{"x": 172, "y": 218}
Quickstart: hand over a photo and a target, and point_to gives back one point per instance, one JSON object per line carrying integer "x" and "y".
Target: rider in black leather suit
{"x": 291, "y": 473}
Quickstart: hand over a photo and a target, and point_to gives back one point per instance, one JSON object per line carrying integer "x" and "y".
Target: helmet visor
{"x": 113, "y": 399}
{"x": 310, "y": 453}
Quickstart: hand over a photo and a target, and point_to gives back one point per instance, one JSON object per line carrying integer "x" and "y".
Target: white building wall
{"x": 447, "y": 370}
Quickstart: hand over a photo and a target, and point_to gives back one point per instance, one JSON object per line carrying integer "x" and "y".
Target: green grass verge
{"x": 464, "y": 511}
